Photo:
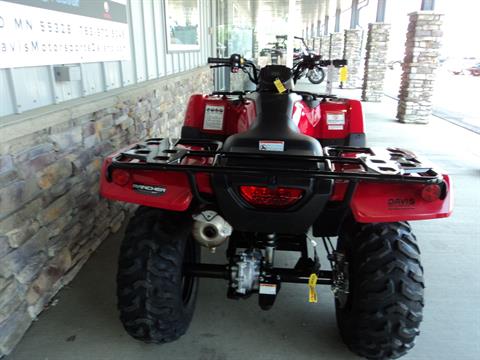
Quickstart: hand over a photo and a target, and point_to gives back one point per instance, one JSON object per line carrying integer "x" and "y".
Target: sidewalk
{"x": 84, "y": 324}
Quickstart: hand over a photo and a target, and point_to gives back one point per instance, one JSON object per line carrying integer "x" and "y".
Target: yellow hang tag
{"x": 312, "y": 292}
{"x": 343, "y": 74}
{"x": 279, "y": 86}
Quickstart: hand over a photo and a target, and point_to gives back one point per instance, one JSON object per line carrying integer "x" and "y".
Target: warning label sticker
{"x": 268, "y": 289}
{"x": 213, "y": 119}
{"x": 271, "y": 145}
{"x": 335, "y": 127}
{"x": 335, "y": 118}
{"x": 335, "y": 121}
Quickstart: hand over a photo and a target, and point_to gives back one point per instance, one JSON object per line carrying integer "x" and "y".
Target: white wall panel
{"x": 7, "y": 105}
{"x": 150, "y": 44}
{"x": 183, "y": 65}
{"x": 139, "y": 54}
{"x": 113, "y": 77}
{"x": 92, "y": 76}
{"x": 203, "y": 31}
{"x": 66, "y": 90}
{"x": 160, "y": 36}
{"x": 193, "y": 59}
{"x": 169, "y": 61}
{"x": 128, "y": 73}
{"x": 32, "y": 87}
{"x": 176, "y": 62}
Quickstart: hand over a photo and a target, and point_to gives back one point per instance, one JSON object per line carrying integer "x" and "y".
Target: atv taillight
{"x": 265, "y": 197}
{"x": 431, "y": 192}
{"x": 120, "y": 177}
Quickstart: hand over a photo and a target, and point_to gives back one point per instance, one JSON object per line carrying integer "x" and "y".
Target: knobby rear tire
{"x": 383, "y": 311}
{"x": 155, "y": 300}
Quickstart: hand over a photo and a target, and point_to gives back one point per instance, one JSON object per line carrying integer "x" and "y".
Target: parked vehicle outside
{"x": 474, "y": 70}
{"x": 461, "y": 66}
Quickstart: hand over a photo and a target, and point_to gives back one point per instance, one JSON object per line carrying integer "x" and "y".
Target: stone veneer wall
{"x": 336, "y": 44}
{"x": 311, "y": 43}
{"x": 336, "y": 51}
{"x": 51, "y": 216}
{"x": 317, "y": 44}
{"x": 419, "y": 65}
{"x": 375, "y": 61}
{"x": 325, "y": 46}
{"x": 352, "y": 52}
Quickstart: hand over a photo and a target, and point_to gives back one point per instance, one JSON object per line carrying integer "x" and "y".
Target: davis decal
{"x": 401, "y": 203}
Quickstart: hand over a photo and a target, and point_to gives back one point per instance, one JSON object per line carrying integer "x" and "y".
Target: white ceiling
{"x": 308, "y": 11}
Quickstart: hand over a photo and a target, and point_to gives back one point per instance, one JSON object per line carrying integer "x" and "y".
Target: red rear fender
{"x": 390, "y": 202}
{"x": 169, "y": 190}
{"x": 335, "y": 119}
{"x": 230, "y": 116}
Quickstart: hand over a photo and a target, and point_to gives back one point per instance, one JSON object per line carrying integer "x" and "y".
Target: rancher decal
{"x": 149, "y": 189}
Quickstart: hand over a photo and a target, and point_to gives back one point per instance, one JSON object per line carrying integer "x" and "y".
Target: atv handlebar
{"x": 235, "y": 62}
{"x": 214, "y": 60}
{"x": 306, "y": 62}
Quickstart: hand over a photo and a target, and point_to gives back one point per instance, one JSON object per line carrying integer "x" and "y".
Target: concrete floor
{"x": 84, "y": 323}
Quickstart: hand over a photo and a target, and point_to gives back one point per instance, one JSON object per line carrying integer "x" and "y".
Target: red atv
{"x": 274, "y": 170}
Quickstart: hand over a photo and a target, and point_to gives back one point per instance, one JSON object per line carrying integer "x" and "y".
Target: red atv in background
{"x": 267, "y": 171}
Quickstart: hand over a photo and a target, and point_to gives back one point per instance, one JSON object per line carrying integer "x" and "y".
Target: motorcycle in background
{"x": 277, "y": 50}
{"x": 315, "y": 74}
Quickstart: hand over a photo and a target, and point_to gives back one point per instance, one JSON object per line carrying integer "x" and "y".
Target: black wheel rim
{"x": 314, "y": 75}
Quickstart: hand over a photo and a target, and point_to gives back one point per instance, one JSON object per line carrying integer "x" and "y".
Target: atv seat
{"x": 274, "y": 125}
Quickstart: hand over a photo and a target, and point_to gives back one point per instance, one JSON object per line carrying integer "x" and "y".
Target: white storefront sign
{"x": 62, "y": 32}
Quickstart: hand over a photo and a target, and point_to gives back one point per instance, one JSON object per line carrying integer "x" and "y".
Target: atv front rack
{"x": 340, "y": 162}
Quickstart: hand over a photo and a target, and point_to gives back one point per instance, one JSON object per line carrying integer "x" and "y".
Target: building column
{"x": 255, "y": 48}
{"x": 310, "y": 43}
{"x": 352, "y": 53}
{"x": 419, "y": 65}
{"x": 375, "y": 61}
{"x": 336, "y": 52}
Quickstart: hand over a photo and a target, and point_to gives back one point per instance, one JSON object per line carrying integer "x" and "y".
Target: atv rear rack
{"x": 340, "y": 162}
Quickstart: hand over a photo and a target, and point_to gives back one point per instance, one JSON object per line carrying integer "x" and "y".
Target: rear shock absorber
{"x": 270, "y": 250}
{"x": 269, "y": 283}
